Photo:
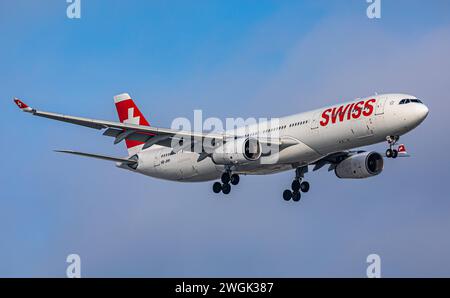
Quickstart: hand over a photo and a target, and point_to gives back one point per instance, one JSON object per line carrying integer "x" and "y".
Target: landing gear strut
{"x": 392, "y": 140}
{"x": 226, "y": 179}
{"x": 298, "y": 186}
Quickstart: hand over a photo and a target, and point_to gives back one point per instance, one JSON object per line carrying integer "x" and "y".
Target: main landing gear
{"x": 298, "y": 186}
{"x": 227, "y": 179}
{"x": 392, "y": 152}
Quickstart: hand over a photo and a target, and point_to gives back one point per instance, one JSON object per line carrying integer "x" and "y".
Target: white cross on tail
{"x": 131, "y": 119}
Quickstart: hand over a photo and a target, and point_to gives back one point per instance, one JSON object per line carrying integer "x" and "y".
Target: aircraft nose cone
{"x": 422, "y": 112}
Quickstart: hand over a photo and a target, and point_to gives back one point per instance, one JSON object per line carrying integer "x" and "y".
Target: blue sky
{"x": 230, "y": 59}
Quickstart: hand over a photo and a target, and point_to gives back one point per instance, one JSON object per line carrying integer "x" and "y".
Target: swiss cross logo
{"x": 131, "y": 119}
{"x": 20, "y": 104}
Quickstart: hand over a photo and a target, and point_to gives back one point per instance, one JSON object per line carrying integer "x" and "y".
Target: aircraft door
{"x": 381, "y": 103}
{"x": 315, "y": 122}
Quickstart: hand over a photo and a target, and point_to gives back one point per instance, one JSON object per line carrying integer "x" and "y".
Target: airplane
{"x": 327, "y": 136}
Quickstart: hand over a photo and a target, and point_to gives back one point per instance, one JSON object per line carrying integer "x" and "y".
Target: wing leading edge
{"x": 149, "y": 135}
{"x": 124, "y": 131}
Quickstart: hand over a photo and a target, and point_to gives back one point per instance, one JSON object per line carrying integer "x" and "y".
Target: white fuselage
{"x": 316, "y": 133}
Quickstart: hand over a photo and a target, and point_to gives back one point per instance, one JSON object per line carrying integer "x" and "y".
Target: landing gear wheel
{"x": 304, "y": 186}
{"x": 225, "y": 178}
{"x": 217, "y": 187}
{"x": 295, "y": 185}
{"x": 235, "y": 179}
{"x": 392, "y": 140}
{"x": 287, "y": 195}
{"x": 226, "y": 188}
{"x": 296, "y": 196}
{"x": 389, "y": 153}
{"x": 394, "y": 153}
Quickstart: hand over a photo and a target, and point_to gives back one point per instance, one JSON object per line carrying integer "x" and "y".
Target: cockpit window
{"x": 407, "y": 100}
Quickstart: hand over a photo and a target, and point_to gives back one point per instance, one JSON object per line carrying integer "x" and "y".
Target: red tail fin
{"x": 129, "y": 113}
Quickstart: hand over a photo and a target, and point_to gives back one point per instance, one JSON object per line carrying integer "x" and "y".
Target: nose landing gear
{"x": 298, "y": 186}
{"x": 225, "y": 186}
{"x": 392, "y": 152}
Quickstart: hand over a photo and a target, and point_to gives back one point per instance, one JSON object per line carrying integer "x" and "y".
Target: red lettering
{"x": 350, "y": 111}
{"x": 358, "y": 110}
{"x": 342, "y": 115}
{"x": 368, "y": 107}
{"x": 333, "y": 116}
{"x": 339, "y": 113}
{"x": 325, "y": 117}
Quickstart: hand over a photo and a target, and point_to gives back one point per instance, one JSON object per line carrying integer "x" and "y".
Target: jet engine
{"x": 361, "y": 165}
{"x": 241, "y": 150}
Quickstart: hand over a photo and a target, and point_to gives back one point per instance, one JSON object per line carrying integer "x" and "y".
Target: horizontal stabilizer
{"x": 104, "y": 157}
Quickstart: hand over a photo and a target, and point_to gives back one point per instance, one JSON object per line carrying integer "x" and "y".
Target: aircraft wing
{"x": 121, "y": 131}
{"x": 332, "y": 159}
{"x": 104, "y": 157}
{"x": 149, "y": 135}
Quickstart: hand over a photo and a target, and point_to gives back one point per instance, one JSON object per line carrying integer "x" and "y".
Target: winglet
{"x": 23, "y": 106}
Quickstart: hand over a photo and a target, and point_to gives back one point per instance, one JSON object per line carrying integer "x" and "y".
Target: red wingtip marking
{"x": 20, "y": 103}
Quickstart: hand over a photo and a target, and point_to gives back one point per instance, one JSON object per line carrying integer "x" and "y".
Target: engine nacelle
{"x": 242, "y": 150}
{"x": 358, "y": 166}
